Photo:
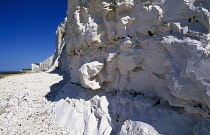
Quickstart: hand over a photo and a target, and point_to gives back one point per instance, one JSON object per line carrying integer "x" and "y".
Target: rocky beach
{"x": 24, "y": 108}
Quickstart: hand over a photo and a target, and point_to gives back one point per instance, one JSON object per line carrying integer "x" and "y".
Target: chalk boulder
{"x": 87, "y": 73}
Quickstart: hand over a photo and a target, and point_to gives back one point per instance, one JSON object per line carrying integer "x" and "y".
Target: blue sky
{"x": 27, "y": 31}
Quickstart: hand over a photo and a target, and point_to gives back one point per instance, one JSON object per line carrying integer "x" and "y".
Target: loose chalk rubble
{"x": 24, "y": 109}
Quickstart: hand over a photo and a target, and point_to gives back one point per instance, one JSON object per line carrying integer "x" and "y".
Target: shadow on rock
{"x": 98, "y": 112}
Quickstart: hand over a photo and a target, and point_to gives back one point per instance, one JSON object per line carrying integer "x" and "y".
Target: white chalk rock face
{"x": 81, "y": 116}
{"x": 160, "y": 48}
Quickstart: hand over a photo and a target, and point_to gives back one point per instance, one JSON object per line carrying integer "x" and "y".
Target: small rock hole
{"x": 150, "y": 33}
{"x": 118, "y": 118}
{"x": 129, "y": 36}
{"x": 157, "y": 102}
{"x": 189, "y": 20}
{"x": 135, "y": 94}
{"x": 198, "y": 105}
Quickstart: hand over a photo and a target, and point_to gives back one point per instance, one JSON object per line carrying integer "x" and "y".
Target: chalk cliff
{"x": 54, "y": 61}
{"x": 159, "y": 48}
{"x": 153, "y": 51}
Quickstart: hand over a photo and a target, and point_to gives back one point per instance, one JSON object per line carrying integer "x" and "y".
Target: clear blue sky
{"x": 27, "y": 31}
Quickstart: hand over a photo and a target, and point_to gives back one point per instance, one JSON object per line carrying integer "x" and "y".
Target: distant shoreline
{"x": 9, "y": 73}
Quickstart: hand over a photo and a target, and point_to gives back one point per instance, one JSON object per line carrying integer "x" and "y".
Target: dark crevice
{"x": 116, "y": 39}
{"x": 77, "y": 84}
{"x": 120, "y": 37}
{"x": 137, "y": 69}
{"x": 118, "y": 118}
{"x": 198, "y": 105}
{"x": 157, "y": 102}
{"x": 189, "y": 20}
{"x": 129, "y": 36}
{"x": 150, "y": 33}
{"x": 134, "y": 94}
{"x": 160, "y": 76}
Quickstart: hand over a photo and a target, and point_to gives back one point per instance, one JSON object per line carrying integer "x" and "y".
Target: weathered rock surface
{"x": 159, "y": 48}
